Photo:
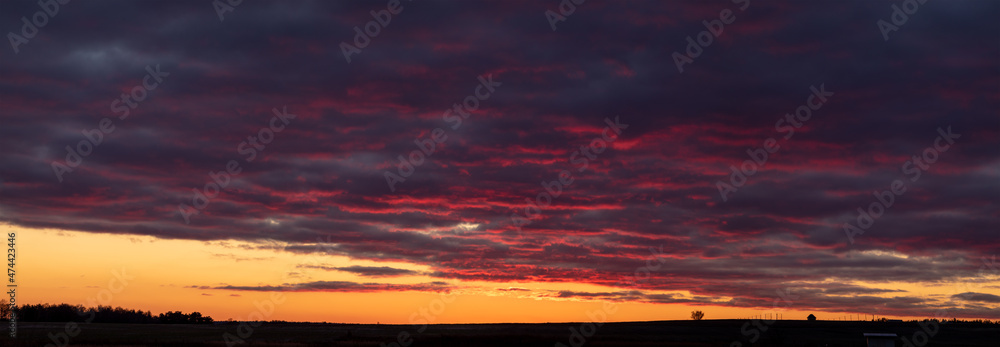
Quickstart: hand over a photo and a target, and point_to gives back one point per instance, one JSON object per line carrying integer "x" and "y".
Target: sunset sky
{"x": 504, "y": 161}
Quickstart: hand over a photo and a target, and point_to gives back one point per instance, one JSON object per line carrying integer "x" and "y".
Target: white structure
{"x": 880, "y": 340}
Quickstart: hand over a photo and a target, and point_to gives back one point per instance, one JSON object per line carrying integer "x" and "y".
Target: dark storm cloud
{"x": 322, "y": 178}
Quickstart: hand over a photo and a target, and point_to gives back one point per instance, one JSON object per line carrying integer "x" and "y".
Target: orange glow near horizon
{"x": 56, "y": 266}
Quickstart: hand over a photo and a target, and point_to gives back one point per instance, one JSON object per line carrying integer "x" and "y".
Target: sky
{"x": 514, "y": 161}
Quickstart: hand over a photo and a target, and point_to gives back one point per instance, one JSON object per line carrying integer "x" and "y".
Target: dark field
{"x": 663, "y": 333}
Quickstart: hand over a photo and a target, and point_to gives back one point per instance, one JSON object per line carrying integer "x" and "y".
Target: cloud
{"x": 345, "y": 286}
{"x": 367, "y": 271}
{"x": 513, "y": 289}
{"x": 320, "y": 185}
{"x": 981, "y": 297}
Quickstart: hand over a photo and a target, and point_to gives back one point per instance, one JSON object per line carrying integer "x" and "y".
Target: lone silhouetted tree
{"x": 697, "y": 315}
{"x": 811, "y": 317}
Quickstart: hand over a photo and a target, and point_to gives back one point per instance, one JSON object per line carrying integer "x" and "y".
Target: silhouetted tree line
{"x": 104, "y": 314}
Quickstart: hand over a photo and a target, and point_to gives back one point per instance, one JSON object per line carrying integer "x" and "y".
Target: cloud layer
{"x": 323, "y": 176}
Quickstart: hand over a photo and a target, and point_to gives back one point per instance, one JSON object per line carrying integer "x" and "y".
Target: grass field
{"x": 662, "y": 333}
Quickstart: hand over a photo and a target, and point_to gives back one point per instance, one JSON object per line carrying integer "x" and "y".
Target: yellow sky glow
{"x": 55, "y": 266}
